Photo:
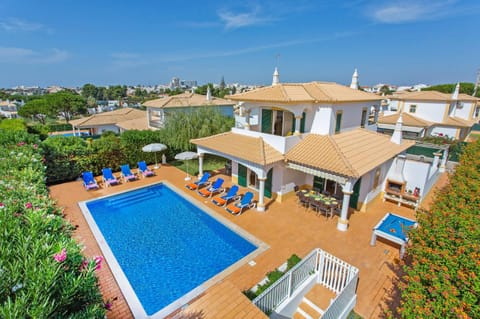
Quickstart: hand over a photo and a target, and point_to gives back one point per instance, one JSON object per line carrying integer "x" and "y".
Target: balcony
{"x": 281, "y": 143}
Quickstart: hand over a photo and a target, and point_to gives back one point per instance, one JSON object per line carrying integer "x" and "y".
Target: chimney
{"x": 276, "y": 77}
{"x": 397, "y": 133}
{"x": 456, "y": 92}
{"x": 354, "y": 84}
{"x": 209, "y": 94}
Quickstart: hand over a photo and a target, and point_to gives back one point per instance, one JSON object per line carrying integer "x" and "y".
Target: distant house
{"x": 430, "y": 113}
{"x": 159, "y": 109}
{"x": 8, "y": 109}
{"x": 115, "y": 121}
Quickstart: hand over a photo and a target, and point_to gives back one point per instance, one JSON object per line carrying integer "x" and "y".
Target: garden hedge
{"x": 42, "y": 271}
{"x": 442, "y": 277}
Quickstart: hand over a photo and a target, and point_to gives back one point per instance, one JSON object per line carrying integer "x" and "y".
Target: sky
{"x": 108, "y": 42}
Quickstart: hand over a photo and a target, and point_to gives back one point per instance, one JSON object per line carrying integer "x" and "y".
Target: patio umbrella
{"x": 154, "y": 147}
{"x": 186, "y": 156}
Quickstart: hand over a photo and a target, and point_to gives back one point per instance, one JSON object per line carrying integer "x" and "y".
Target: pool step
{"x": 308, "y": 310}
{"x": 130, "y": 199}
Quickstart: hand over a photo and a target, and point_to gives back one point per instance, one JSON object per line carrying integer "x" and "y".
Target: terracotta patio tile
{"x": 287, "y": 228}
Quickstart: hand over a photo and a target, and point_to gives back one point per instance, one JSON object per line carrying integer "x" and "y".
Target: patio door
{"x": 267, "y": 121}
{"x": 318, "y": 183}
{"x": 355, "y": 195}
{"x": 242, "y": 175}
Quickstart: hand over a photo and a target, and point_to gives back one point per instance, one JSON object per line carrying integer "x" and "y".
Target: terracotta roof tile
{"x": 313, "y": 92}
{"x": 352, "y": 153}
{"x": 106, "y": 118}
{"x": 408, "y": 120}
{"x": 430, "y": 96}
{"x": 187, "y": 99}
{"x": 252, "y": 149}
{"x": 140, "y": 124}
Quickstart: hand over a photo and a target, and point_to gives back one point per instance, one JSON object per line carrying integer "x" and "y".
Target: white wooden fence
{"x": 327, "y": 270}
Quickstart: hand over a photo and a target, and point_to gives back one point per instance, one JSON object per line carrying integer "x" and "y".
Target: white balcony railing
{"x": 281, "y": 143}
{"x": 319, "y": 267}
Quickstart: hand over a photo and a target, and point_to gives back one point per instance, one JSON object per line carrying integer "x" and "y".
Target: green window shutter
{"x": 338, "y": 122}
{"x": 302, "y": 123}
{"x": 242, "y": 175}
{"x": 268, "y": 184}
{"x": 355, "y": 195}
{"x": 318, "y": 183}
{"x": 267, "y": 121}
{"x": 293, "y": 124}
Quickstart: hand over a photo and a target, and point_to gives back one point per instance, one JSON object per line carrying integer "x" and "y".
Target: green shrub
{"x": 42, "y": 271}
{"x": 442, "y": 277}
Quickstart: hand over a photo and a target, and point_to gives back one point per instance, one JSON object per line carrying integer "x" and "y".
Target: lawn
{"x": 210, "y": 163}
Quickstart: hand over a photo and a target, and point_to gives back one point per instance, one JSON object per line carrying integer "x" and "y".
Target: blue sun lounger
{"x": 144, "y": 170}
{"x": 215, "y": 188}
{"x": 108, "y": 178}
{"x": 238, "y": 207}
{"x": 127, "y": 174}
{"x": 224, "y": 199}
{"x": 202, "y": 181}
{"x": 89, "y": 181}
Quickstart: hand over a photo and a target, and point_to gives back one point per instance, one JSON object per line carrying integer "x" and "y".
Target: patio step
{"x": 309, "y": 310}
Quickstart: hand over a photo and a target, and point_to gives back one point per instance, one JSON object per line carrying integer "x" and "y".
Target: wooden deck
{"x": 287, "y": 228}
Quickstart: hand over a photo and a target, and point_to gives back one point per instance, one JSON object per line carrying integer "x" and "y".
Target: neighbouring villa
{"x": 322, "y": 136}
{"x": 116, "y": 121}
{"x": 158, "y": 110}
{"x": 431, "y": 113}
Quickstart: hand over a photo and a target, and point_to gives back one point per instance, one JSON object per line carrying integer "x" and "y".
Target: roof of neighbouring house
{"x": 408, "y": 120}
{"x": 252, "y": 149}
{"x": 430, "y": 96}
{"x": 352, "y": 153}
{"x": 187, "y": 99}
{"x": 107, "y": 118}
{"x": 139, "y": 124}
{"x": 313, "y": 92}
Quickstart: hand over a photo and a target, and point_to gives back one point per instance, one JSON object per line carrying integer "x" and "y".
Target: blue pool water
{"x": 165, "y": 245}
{"x": 396, "y": 226}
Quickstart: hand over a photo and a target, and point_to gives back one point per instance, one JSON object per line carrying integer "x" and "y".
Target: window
{"x": 364, "y": 118}
{"x": 477, "y": 112}
{"x": 413, "y": 108}
{"x": 338, "y": 122}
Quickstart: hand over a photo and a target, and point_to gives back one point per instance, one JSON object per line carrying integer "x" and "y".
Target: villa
{"x": 315, "y": 135}
{"x": 115, "y": 121}
{"x": 431, "y": 113}
{"x": 159, "y": 109}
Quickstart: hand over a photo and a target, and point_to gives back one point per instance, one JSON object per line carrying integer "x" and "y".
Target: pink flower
{"x": 98, "y": 262}
{"x": 108, "y": 305}
{"x": 60, "y": 257}
{"x": 2, "y": 205}
{"x": 28, "y": 205}
{"x": 35, "y": 146}
{"x": 20, "y": 143}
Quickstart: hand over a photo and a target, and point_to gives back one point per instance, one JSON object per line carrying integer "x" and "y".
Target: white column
{"x": 261, "y": 194}
{"x": 342, "y": 223}
{"x": 297, "y": 125}
{"x": 443, "y": 162}
{"x": 247, "y": 118}
{"x": 200, "y": 165}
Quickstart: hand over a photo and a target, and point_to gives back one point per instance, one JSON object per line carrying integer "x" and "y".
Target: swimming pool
{"x": 160, "y": 246}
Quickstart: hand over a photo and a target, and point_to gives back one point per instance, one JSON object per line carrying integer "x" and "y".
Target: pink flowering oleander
{"x": 28, "y": 205}
{"x": 60, "y": 257}
{"x": 98, "y": 262}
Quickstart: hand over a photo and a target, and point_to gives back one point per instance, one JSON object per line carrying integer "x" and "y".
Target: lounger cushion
{"x": 204, "y": 192}
{"x": 219, "y": 201}
{"x": 232, "y": 208}
{"x": 191, "y": 186}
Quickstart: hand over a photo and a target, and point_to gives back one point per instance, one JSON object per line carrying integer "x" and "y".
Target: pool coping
{"x": 127, "y": 290}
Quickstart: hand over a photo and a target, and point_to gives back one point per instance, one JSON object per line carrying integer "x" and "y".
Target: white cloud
{"x": 411, "y": 11}
{"x": 233, "y": 20}
{"x": 29, "y": 56}
{"x": 15, "y": 24}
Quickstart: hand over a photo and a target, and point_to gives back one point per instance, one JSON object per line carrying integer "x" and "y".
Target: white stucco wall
{"x": 431, "y": 111}
{"x": 367, "y": 192}
{"x": 104, "y": 128}
{"x": 464, "y": 111}
{"x": 416, "y": 174}
{"x": 445, "y": 130}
